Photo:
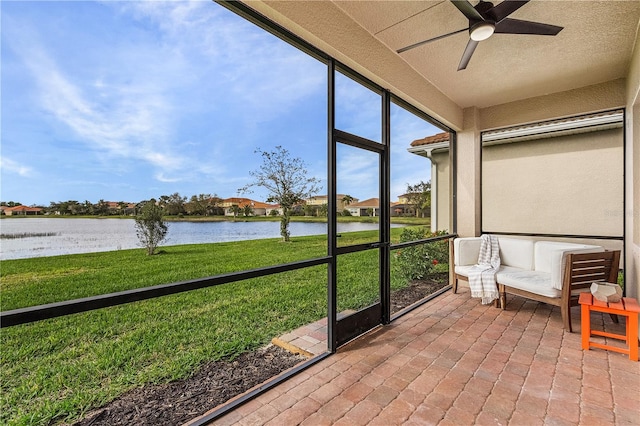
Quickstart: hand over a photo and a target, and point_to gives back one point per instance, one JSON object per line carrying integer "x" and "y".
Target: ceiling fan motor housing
{"x": 484, "y": 9}
{"x": 482, "y": 30}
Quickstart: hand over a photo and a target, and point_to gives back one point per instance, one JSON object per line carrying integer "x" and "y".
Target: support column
{"x": 469, "y": 152}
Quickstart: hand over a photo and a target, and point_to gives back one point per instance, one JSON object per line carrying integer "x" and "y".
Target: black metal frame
{"x": 68, "y": 307}
{"x": 349, "y": 327}
{"x": 53, "y": 310}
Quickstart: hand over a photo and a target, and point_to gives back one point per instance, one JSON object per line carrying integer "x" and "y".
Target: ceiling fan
{"x": 485, "y": 19}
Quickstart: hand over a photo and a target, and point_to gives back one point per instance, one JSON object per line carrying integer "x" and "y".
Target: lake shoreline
{"x": 404, "y": 220}
{"x": 43, "y": 236}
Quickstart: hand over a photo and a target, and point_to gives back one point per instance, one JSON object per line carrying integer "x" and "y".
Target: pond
{"x": 39, "y": 237}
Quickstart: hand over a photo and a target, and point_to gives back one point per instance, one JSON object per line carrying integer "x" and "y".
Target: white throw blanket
{"x": 482, "y": 277}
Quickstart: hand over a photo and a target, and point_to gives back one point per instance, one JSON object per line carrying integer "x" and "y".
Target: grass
{"x": 56, "y": 370}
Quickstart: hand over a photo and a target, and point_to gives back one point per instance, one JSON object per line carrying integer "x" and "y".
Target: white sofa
{"x": 532, "y": 269}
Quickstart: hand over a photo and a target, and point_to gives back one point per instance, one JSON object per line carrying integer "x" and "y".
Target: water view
{"x": 39, "y": 237}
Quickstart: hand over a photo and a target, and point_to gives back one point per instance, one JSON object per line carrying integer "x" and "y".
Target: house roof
{"x": 116, "y": 205}
{"x": 371, "y": 202}
{"x": 324, "y": 197}
{"x": 429, "y": 140}
{"x": 23, "y": 209}
{"x": 242, "y": 202}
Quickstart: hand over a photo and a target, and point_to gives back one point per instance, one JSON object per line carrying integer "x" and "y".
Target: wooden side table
{"x": 627, "y": 307}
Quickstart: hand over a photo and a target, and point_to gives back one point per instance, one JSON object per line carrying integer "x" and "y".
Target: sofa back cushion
{"x": 516, "y": 253}
{"x": 466, "y": 250}
{"x": 550, "y": 256}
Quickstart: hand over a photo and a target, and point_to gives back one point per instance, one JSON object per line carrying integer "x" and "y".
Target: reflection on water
{"x": 51, "y": 237}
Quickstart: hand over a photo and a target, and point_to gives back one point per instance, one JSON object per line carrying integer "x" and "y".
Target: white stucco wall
{"x": 443, "y": 192}
{"x": 570, "y": 185}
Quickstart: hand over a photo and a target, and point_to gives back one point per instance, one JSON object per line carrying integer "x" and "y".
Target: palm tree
{"x": 347, "y": 199}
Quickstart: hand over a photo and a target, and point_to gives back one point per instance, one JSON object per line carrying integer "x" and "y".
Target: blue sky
{"x": 129, "y": 100}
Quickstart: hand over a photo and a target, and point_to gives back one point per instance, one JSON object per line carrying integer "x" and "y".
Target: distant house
{"x": 320, "y": 200}
{"x": 118, "y": 207}
{"x": 369, "y": 207}
{"x": 22, "y": 211}
{"x": 404, "y": 206}
{"x": 258, "y": 208}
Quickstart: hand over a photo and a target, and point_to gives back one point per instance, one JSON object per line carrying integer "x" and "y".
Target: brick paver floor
{"x": 454, "y": 361}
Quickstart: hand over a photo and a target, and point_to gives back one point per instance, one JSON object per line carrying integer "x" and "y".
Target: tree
{"x": 88, "y": 207}
{"x": 173, "y": 204}
{"x": 347, "y": 199}
{"x": 310, "y": 210}
{"x": 151, "y": 228}
{"x": 419, "y": 195}
{"x": 122, "y": 207}
{"x": 286, "y": 180}
{"x": 101, "y": 208}
{"x": 198, "y": 204}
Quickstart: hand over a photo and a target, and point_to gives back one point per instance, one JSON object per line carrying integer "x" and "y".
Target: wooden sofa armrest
{"x": 582, "y": 270}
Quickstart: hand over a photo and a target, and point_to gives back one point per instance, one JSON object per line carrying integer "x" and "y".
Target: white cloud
{"x": 121, "y": 120}
{"x": 161, "y": 177}
{"x": 12, "y": 167}
{"x": 178, "y": 86}
{"x": 259, "y": 74}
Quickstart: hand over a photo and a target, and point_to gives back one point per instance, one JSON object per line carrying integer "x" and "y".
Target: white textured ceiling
{"x": 595, "y": 46}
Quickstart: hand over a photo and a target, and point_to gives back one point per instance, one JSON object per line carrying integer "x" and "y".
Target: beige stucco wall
{"x": 585, "y": 100}
{"x": 442, "y": 219}
{"x": 570, "y": 185}
{"x": 468, "y": 175}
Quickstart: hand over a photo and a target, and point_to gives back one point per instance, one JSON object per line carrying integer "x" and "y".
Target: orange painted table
{"x": 627, "y": 307}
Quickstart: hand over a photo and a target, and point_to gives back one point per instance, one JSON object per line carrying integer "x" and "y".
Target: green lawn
{"x": 56, "y": 370}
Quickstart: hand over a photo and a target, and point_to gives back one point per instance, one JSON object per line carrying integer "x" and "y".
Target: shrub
{"x": 417, "y": 262}
{"x": 151, "y": 228}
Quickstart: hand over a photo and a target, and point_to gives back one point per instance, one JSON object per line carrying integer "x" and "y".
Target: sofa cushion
{"x": 516, "y": 252}
{"x": 464, "y": 270}
{"x": 466, "y": 250}
{"x": 533, "y": 281}
{"x": 550, "y": 256}
{"x": 548, "y": 251}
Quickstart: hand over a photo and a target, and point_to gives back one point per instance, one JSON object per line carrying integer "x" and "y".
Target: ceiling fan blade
{"x": 466, "y": 56}
{"x": 467, "y": 10}
{"x": 516, "y": 26}
{"x": 420, "y": 43}
{"x": 506, "y": 8}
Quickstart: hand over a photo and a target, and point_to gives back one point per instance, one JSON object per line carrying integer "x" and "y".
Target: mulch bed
{"x": 217, "y": 382}
{"x": 417, "y": 290}
{"x": 182, "y": 400}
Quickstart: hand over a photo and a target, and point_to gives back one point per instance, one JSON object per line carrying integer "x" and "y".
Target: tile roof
{"x": 438, "y": 138}
{"x": 371, "y": 202}
{"x": 241, "y": 202}
{"x": 23, "y": 209}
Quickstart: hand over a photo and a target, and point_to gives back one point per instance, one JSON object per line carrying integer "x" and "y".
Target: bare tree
{"x": 287, "y": 182}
